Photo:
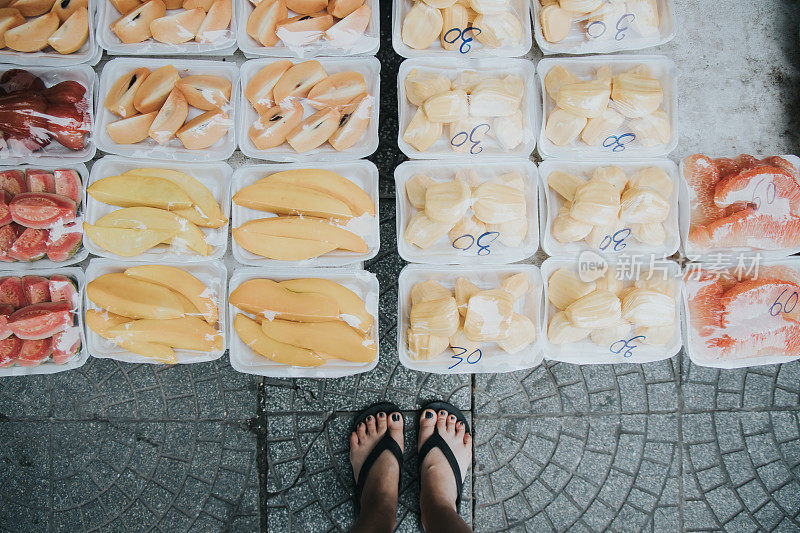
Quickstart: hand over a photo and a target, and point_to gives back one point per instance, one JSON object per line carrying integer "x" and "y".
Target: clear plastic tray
{"x": 366, "y": 145}
{"x": 49, "y": 367}
{"x": 694, "y": 254}
{"x": 450, "y": 67}
{"x": 82, "y": 253}
{"x": 213, "y": 274}
{"x": 55, "y": 153}
{"x": 367, "y": 44}
{"x": 88, "y": 54}
{"x": 600, "y": 39}
{"x": 587, "y": 352}
{"x": 444, "y": 251}
{"x": 629, "y": 245}
{"x": 216, "y": 176}
{"x": 363, "y": 173}
{"x": 584, "y": 67}
{"x": 149, "y": 149}
{"x": 471, "y": 48}
{"x": 492, "y": 358}
{"x": 109, "y": 41}
{"x": 242, "y": 357}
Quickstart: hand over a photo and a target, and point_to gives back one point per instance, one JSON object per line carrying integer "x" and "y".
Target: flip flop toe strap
{"x": 436, "y": 441}
{"x": 386, "y": 443}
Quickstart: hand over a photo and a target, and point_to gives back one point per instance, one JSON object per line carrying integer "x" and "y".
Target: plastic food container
{"x": 213, "y": 274}
{"x": 49, "y": 367}
{"x": 613, "y": 33}
{"x": 459, "y": 145}
{"x": 625, "y": 350}
{"x": 362, "y": 173}
{"x": 243, "y": 359}
{"x": 82, "y": 253}
{"x": 215, "y": 176}
{"x": 89, "y": 53}
{"x": 623, "y": 144}
{"x": 466, "y": 249}
{"x": 742, "y": 313}
{"x": 766, "y": 193}
{"x": 369, "y": 67}
{"x": 174, "y": 149}
{"x": 366, "y": 44}
{"x": 621, "y": 241}
{"x": 490, "y": 357}
{"x": 225, "y": 45}
{"x": 56, "y": 153}
{"x": 466, "y": 43}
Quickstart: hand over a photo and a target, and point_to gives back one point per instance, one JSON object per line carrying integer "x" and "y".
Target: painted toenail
{"x": 381, "y": 415}
{"x": 396, "y": 417}
{"x": 369, "y": 418}
{"x": 452, "y": 417}
{"x": 428, "y": 414}
{"x": 443, "y": 413}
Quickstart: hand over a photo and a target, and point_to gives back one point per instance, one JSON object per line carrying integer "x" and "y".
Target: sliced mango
{"x": 329, "y": 183}
{"x": 251, "y": 334}
{"x": 181, "y": 281}
{"x": 126, "y": 242}
{"x": 302, "y": 228}
{"x": 332, "y": 340}
{"x": 183, "y": 232}
{"x": 290, "y": 199}
{"x": 188, "y": 333}
{"x": 135, "y": 191}
{"x": 351, "y": 307}
{"x": 266, "y": 298}
{"x": 101, "y": 321}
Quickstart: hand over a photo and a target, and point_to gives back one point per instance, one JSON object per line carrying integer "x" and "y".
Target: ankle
{"x": 433, "y": 509}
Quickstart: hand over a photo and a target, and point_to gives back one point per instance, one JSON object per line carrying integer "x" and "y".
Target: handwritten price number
{"x": 597, "y": 28}
{"x": 468, "y": 137}
{"x": 626, "y": 347}
{"x": 458, "y": 33}
{"x": 461, "y": 351}
{"x": 787, "y": 307}
{"x": 617, "y": 239}
{"x": 769, "y": 197}
{"x": 483, "y": 245}
{"x": 617, "y": 142}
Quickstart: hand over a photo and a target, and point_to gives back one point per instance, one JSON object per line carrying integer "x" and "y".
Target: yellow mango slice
{"x": 100, "y": 322}
{"x": 133, "y": 298}
{"x": 188, "y": 333}
{"x": 333, "y": 340}
{"x": 267, "y": 298}
{"x": 133, "y": 191}
{"x": 126, "y": 242}
{"x": 289, "y": 199}
{"x": 351, "y": 307}
{"x": 250, "y": 332}
{"x": 181, "y": 281}
{"x": 329, "y": 183}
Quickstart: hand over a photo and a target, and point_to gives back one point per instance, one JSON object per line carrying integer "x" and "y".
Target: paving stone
{"x": 576, "y": 472}
{"x": 88, "y": 476}
{"x": 556, "y": 388}
{"x": 754, "y": 485}
{"x": 310, "y": 481}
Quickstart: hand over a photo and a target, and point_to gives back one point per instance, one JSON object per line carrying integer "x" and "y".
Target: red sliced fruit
{"x": 66, "y": 92}
{"x": 13, "y": 181}
{"x": 67, "y": 124}
{"x": 42, "y": 320}
{"x": 40, "y": 180}
{"x": 65, "y": 345}
{"x": 36, "y": 289}
{"x": 41, "y": 210}
{"x": 68, "y": 183}
{"x": 8, "y": 235}
{"x": 62, "y": 289}
{"x": 5, "y": 312}
{"x": 34, "y": 352}
{"x": 30, "y": 246}
{"x": 17, "y": 79}
{"x": 5, "y": 210}
{"x": 11, "y": 292}
{"x": 63, "y": 243}
{"x": 9, "y": 350}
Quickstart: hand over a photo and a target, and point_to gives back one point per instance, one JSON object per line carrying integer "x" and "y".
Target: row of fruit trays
{"x": 321, "y": 323}
{"x": 281, "y": 110}
{"x": 326, "y": 214}
{"x": 37, "y": 32}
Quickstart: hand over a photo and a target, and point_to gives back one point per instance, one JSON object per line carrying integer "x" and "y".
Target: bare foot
{"x": 383, "y": 478}
{"x": 437, "y": 483}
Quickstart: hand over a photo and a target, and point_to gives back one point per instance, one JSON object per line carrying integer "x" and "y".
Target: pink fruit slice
{"x": 13, "y": 181}
{"x": 36, "y": 289}
{"x": 41, "y": 210}
{"x": 5, "y": 210}
{"x": 68, "y": 183}
{"x": 5, "y": 312}
{"x": 8, "y": 235}
{"x": 11, "y": 292}
{"x": 9, "y": 351}
{"x": 29, "y": 246}
{"x": 702, "y": 174}
{"x": 65, "y": 345}
{"x": 62, "y": 289}
{"x": 63, "y": 243}
{"x": 40, "y": 321}
{"x": 748, "y": 227}
{"x": 40, "y": 180}
{"x": 34, "y": 352}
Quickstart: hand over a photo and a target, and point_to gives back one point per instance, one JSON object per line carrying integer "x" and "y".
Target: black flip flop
{"x": 386, "y": 443}
{"x": 437, "y": 441}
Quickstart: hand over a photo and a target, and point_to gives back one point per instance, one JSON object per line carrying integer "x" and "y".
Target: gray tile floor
{"x": 665, "y": 446}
